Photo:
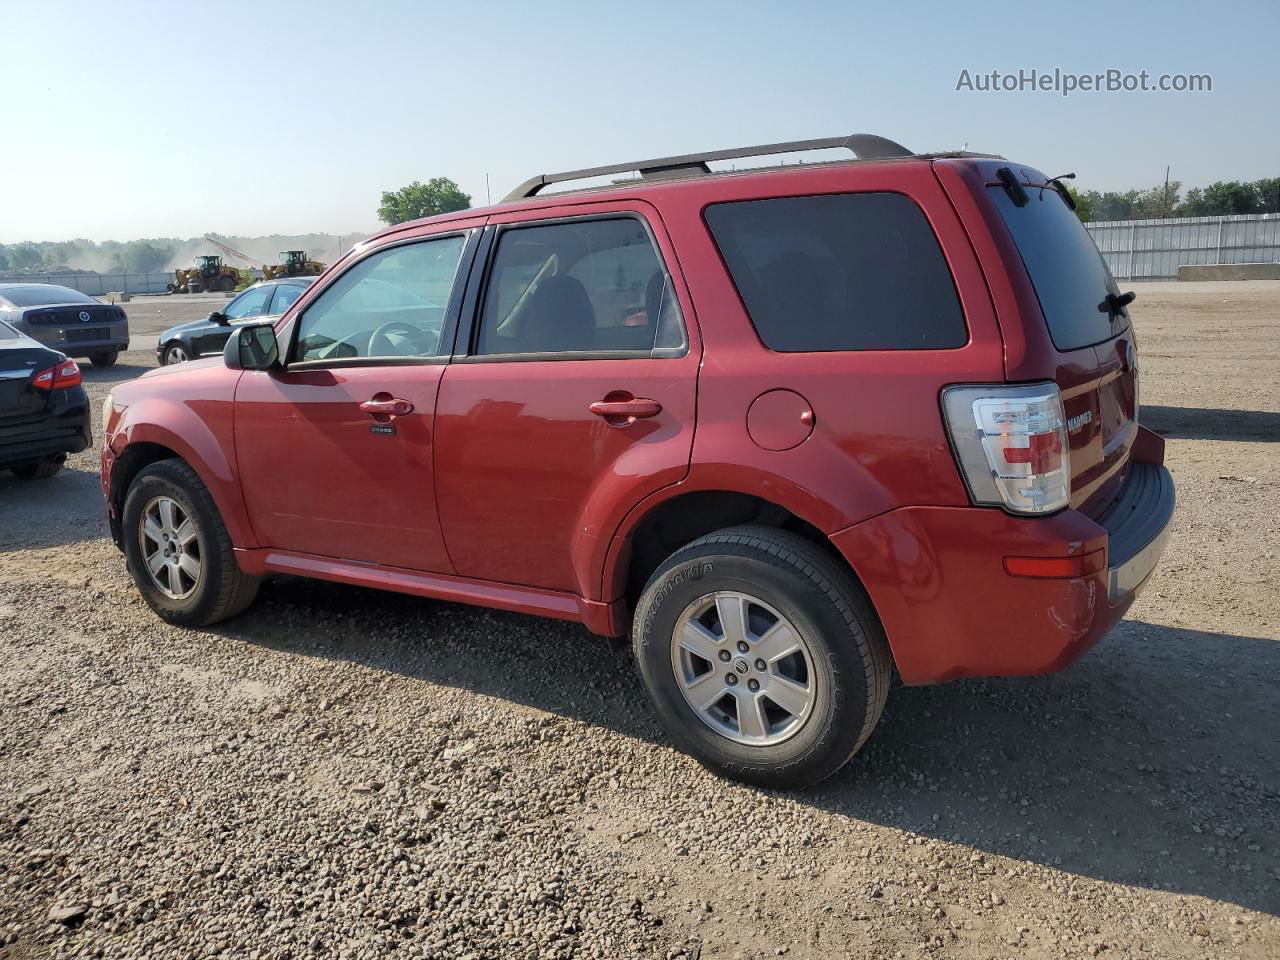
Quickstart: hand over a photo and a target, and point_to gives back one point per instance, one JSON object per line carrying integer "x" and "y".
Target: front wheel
{"x": 175, "y": 353}
{"x": 762, "y": 656}
{"x": 178, "y": 550}
{"x": 105, "y": 358}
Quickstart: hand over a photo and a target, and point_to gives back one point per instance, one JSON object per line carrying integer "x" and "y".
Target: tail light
{"x": 1011, "y": 445}
{"x": 60, "y": 375}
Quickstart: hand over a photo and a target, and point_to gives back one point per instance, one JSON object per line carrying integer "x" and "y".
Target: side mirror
{"x": 219, "y": 318}
{"x": 252, "y": 348}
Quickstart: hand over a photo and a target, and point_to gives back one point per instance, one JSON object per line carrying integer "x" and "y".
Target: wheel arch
{"x": 676, "y": 516}
{"x": 147, "y": 442}
{"x": 176, "y": 340}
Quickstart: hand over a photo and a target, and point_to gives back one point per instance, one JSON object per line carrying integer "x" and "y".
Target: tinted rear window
{"x": 38, "y": 294}
{"x": 1070, "y": 277}
{"x": 858, "y": 271}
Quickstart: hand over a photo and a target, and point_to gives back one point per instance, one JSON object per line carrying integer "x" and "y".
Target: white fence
{"x": 1153, "y": 249}
{"x": 96, "y": 284}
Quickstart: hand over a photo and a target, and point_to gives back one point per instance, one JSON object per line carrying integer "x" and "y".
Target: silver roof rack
{"x": 864, "y": 146}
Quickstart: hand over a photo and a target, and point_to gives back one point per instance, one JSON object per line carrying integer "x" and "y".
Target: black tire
{"x": 223, "y": 589}
{"x": 105, "y": 358}
{"x": 168, "y": 358}
{"x": 227, "y": 285}
{"x": 821, "y": 599}
{"x": 41, "y": 470}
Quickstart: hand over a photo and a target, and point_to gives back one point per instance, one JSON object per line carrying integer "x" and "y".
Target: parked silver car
{"x": 66, "y": 320}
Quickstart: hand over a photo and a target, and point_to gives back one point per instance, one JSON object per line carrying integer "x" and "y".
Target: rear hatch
{"x": 1092, "y": 356}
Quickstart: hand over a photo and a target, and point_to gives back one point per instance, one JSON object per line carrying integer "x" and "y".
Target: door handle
{"x": 387, "y": 408}
{"x": 622, "y": 413}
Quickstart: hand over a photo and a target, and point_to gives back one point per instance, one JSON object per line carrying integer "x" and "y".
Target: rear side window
{"x": 1070, "y": 277}
{"x": 39, "y": 294}
{"x": 859, "y": 271}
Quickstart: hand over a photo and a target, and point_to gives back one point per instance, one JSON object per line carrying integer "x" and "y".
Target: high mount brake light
{"x": 1011, "y": 445}
{"x": 57, "y": 377}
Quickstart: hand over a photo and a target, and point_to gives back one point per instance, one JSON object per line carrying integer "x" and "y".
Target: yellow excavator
{"x": 293, "y": 263}
{"x": 208, "y": 274}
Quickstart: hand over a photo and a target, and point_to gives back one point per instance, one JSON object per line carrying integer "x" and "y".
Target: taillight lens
{"x": 1011, "y": 444}
{"x": 60, "y": 375}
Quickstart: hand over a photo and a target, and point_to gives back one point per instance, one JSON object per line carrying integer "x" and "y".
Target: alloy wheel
{"x": 170, "y": 547}
{"x": 743, "y": 668}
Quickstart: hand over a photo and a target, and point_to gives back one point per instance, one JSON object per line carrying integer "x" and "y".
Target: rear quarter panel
{"x": 878, "y": 440}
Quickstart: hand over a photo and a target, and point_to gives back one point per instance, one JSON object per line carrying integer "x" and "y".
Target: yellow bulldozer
{"x": 208, "y": 274}
{"x": 293, "y": 263}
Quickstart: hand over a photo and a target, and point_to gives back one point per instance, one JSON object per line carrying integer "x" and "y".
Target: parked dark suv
{"x": 790, "y": 427}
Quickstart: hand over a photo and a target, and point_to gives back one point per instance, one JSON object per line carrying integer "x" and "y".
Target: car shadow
{"x": 1153, "y": 762}
{"x": 1201, "y": 423}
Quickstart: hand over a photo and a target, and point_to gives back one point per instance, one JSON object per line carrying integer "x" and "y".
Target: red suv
{"x": 790, "y": 427}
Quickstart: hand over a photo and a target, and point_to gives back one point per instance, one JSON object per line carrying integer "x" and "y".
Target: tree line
{"x": 159, "y": 254}
{"x": 1226, "y": 198}
{"x": 410, "y": 202}
{"x": 110, "y": 256}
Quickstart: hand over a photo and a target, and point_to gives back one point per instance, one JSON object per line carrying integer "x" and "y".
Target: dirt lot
{"x": 342, "y": 773}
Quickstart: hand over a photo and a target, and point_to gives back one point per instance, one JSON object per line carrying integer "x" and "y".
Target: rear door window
{"x": 579, "y": 288}
{"x": 1068, "y": 273}
{"x": 860, "y": 271}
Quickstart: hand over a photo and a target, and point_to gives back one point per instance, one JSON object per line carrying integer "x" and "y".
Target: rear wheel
{"x": 762, "y": 656}
{"x": 175, "y": 353}
{"x": 40, "y": 470}
{"x": 104, "y": 358}
{"x": 178, "y": 550}
{"x": 228, "y": 284}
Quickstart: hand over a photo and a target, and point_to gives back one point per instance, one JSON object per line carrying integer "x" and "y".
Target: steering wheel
{"x": 379, "y": 339}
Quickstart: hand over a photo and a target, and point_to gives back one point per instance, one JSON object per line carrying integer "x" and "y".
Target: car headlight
{"x": 108, "y": 404}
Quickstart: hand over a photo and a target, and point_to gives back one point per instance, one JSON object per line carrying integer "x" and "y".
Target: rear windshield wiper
{"x": 1061, "y": 189}
{"x": 1115, "y": 304}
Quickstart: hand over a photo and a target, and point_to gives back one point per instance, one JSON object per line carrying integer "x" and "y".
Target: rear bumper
{"x": 115, "y": 337}
{"x": 1138, "y": 525}
{"x": 63, "y": 430}
{"x": 938, "y": 579}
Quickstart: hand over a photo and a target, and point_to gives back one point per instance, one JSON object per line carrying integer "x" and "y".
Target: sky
{"x": 149, "y": 119}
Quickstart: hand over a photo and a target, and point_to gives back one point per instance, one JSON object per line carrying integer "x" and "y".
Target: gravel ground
{"x": 343, "y": 773}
